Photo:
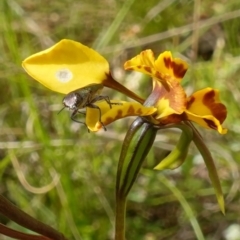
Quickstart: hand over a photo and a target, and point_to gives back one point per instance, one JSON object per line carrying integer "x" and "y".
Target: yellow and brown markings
{"x": 179, "y": 69}
{"x": 217, "y": 109}
{"x": 190, "y": 101}
{"x": 148, "y": 69}
{"x": 210, "y": 123}
{"x": 130, "y": 110}
{"x": 173, "y": 118}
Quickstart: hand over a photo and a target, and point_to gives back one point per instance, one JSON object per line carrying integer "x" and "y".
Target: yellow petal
{"x": 144, "y": 62}
{"x": 165, "y": 69}
{"x": 207, "y": 121}
{"x": 169, "y": 66}
{"x": 67, "y": 66}
{"x": 205, "y": 108}
{"x": 109, "y": 115}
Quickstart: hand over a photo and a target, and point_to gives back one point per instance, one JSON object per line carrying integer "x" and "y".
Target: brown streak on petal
{"x": 158, "y": 75}
{"x": 221, "y": 115}
{"x": 148, "y": 69}
{"x": 167, "y": 62}
{"x": 178, "y": 70}
{"x": 218, "y": 110}
{"x": 208, "y": 96}
{"x": 190, "y": 102}
{"x": 163, "y": 79}
{"x": 108, "y": 120}
{"x": 161, "y": 76}
{"x": 184, "y": 116}
{"x": 130, "y": 110}
{"x": 173, "y": 118}
{"x": 139, "y": 67}
{"x": 210, "y": 123}
{"x": 139, "y": 112}
{"x": 119, "y": 114}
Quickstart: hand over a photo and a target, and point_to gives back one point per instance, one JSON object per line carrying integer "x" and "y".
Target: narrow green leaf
{"x": 104, "y": 39}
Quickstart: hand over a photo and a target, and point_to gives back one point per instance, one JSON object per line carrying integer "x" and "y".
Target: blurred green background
{"x": 56, "y": 171}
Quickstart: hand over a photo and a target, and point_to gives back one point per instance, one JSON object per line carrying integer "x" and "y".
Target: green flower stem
{"x": 207, "y": 157}
{"x": 136, "y": 145}
{"x": 120, "y": 218}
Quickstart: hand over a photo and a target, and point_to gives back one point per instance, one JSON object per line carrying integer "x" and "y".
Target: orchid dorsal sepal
{"x": 179, "y": 153}
{"x": 66, "y": 66}
{"x": 69, "y": 65}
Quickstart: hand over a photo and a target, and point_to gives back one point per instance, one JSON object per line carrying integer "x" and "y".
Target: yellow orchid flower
{"x": 174, "y": 110}
{"x": 168, "y": 96}
{"x": 70, "y": 66}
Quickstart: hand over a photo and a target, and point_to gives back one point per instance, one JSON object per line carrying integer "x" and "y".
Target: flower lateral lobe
{"x": 170, "y": 66}
{"x": 165, "y": 68}
{"x": 144, "y": 62}
{"x": 118, "y": 110}
{"x": 67, "y": 66}
{"x": 204, "y": 107}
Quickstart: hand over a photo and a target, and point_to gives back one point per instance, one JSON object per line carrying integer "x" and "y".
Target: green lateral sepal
{"x": 179, "y": 153}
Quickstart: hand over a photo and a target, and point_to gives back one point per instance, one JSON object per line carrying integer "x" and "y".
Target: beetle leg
{"x": 75, "y": 120}
{"x": 91, "y": 105}
{"x": 106, "y": 98}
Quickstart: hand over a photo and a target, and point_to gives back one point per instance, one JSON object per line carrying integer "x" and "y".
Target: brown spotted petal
{"x": 174, "y": 67}
{"x": 120, "y": 110}
{"x": 167, "y": 102}
{"x": 204, "y": 107}
{"x": 144, "y": 62}
{"x": 165, "y": 69}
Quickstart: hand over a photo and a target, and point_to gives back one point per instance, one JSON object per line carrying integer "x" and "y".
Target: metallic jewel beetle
{"x": 85, "y": 97}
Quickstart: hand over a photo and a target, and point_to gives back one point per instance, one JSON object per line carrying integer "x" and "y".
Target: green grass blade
{"x": 108, "y": 35}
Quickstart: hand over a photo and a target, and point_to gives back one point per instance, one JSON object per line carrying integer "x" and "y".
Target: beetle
{"x": 85, "y": 97}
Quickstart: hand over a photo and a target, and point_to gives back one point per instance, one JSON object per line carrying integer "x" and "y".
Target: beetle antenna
{"x": 61, "y": 109}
